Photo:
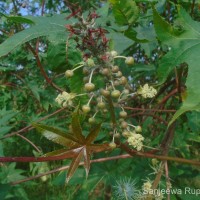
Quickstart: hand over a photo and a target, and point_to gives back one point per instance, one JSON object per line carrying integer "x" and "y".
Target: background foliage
{"x": 162, "y": 36}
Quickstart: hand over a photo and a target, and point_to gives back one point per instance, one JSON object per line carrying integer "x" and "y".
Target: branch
{"x": 159, "y": 157}
{"x": 39, "y": 64}
{"x": 66, "y": 167}
{"x": 27, "y": 128}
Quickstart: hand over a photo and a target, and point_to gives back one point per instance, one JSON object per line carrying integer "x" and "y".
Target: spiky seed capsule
{"x": 92, "y": 120}
{"x": 119, "y": 74}
{"x": 123, "y": 114}
{"x": 86, "y": 108}
{"x": 138, "y": 129}
{"x": 115, "y": 93}
{"x": 113, "y": 53}
{"x": 101, "y": 105}
{"x": 116, "y": 83}
{"x": 115, "y": 69}
{"x": 124, "y": 124}
{"x": 129, "y": 61}
{"x": 85, "y": 71}
{"x": 90, "y": 62}
{"x": 89, "y": 87}
{"x": 123, "y": 80}
{"x": 105, "y": 93}
{"x": 69, "y": 73}
{"x": 112, "y": 145}
{"x": 105, "y": 71}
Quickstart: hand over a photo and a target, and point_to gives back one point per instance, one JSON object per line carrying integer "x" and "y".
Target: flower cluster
{"x": 65, "y": 99}
{"x": 147, "y": 91}
{"x": 135, "y": 140}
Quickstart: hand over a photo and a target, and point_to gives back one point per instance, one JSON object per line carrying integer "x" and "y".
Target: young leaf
{"x": 184, "y": 41}
{"x": 86, "y": 155}
{"x": 93, "y": 134}
{"x": 74, "y": 165}
{"x": 56, "y": 135}
{"x": 76, "y": 127}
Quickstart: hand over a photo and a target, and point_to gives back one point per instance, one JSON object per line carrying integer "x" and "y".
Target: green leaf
{"x": 44, "y": 26}
{"x": 5, "y": 116}
{"x": 4, "y": 130}
{"x": 74, "y": 165}
{"x": 184, "y": 41}
{"x": 93, "y": 134}
{"x": 120, "y": 41}
{"x": 4, "y": 190}
{"x": 126, "y": 12}
{"x": 18, "y": 19}
{"x": 56, "y": 135}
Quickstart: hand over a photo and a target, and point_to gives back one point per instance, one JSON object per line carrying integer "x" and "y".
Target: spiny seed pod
{"x": 123, "y": 80}
{"x": 92, "y": 120}
{"x": 115, "y": 93}
{"x": 119, "y": 74}
{"x": 138, "y": 129}
{"x": 115, "y": 69}
{"x": 129, "y": 61}
{"x": 86, "y": 109}
{"x": 89, "y": 87}
{"x": 69, "y": 73}
{"x": 112, "y": 145}
{"x": 105, "y": 71}
{"x": 124, "y": 124}
{"x": 90, "y": 62}
{"x": 123, "y": 114}
{"x": 116, "y": 83}
{"x": 101, "y": 105}
{"x": 86, "y": 71}
{"x": 105, "y": 93}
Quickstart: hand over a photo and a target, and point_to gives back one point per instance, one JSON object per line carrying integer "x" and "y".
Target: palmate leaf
{"x": 56, "y": 135}
{"x": 184, "y": 40}
{"x": 53, "y": 27}
{"x": 126, "y": 12}
{"x": 76, "y": 145}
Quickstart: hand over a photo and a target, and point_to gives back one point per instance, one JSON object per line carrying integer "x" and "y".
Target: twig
{"x": 66, "y": 167}
{"x": 151, "y": 110}
{"x": 152, "y": 115}
{"x": 39, "y": 64}
{"x": 30, "y": 127}
{"x": 34, "y": 146}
